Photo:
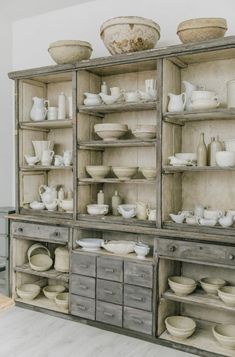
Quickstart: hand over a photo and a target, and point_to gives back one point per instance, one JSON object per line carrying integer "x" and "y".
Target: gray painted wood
{"x": 82, "y": 285}
{"x": 109, "y": 313}
{"x": 138, "y": 297}
{"x": 110, "y": 269}
{"x": 109, "y": 291}
{"x": 137, "y": 320}
{"x": 138, "y": 274}
{"x": 82, "y": 307}
{"x": 83, "y": 264}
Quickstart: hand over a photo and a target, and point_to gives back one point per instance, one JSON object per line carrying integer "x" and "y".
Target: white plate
{"x": 90, "y": 244}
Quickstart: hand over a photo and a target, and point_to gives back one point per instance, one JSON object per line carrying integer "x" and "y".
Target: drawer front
{"x": 137, "y": 320}
{"x": 109, "y": 313}
{"x": 109, "y": 291}
{"x": 110, "y": 269}
{"x": 39, "y": 231}
{"x": 82, "y": 307}
{"x": 196, "y": 251}
{"x": 140, "y": 298}
{"x": 82, "y": 285}
{"x": 138, "y": 274}
{"x": 83, "y": 264}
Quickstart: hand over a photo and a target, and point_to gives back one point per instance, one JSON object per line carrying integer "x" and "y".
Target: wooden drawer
{"x": 110, "y": 269}
{"x": 209, "y": 253}
{"x": 82, "y": 307}
{"x": 83, "y": 264}
{"x": 109, "y": 291}
{"x": 39, "y": 231}
{"x": 138, "y": 274}
{"x": 137, "y": 320}
{"x": 82, "y": 285}
{"x": 109, "y": 313}
{"x": 140, "y": 298}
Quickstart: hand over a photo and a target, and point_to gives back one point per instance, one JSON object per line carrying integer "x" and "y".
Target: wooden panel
{"x": 82, "y": 285}
{"x": 110, "y": 269}
{"x": 109, "y": 291}
{"x": 82, "y": 307}
{"x": 137, "y": 320}
{"x": 138, "y": 274}
{"x": 138, "y": 297}
{"x": 83, "y": 264}
{"x": 109, "y": 313}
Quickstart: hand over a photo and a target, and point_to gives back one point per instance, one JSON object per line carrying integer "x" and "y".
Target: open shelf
{"x": 175, "y": 169}
{"x": 44, "y": 168}
{"x": 50, "y": 274}
{"x": 229, "y": 231}
{"x": 93, "y": 144}
{"x": 114, "y": 180}
{"x": 117, "y": 220}
{"x": 46, "y": 213}
{"x": 47, "y": 124}
{"x": 43, "y": 302}
{"x": 116, "y": 108}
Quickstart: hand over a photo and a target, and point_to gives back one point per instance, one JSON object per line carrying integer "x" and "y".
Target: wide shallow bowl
{"x": 119, "y": 246}
{"x": 62, "y": 301}
{"x": 96, "y": 209}
{"x": 40, "y": 262}
{"x": 186, "y": 156}
{"x": 70, "y": 51}
{"x": 28, "y": 291}
{"x": 149, "y": 172}
{"x": 51, "y": 291}
{"x": 145, "y": 131}
{"x": 225, "y": 335}
{"x": 129, "y": 34}
{"x": 227, "y": 294}
{"x": 225, "y": 158}
{"x": 110, "y": 132}
{"x": 124, "y": 173}
{"x": 180, "y": 327}
{"x": 211, "y": 285}
{"x": 98, "y": 171}
{"x": 201, "y": 29}
{"x": 181, "y": 285}
{"x": 90, "y": 244}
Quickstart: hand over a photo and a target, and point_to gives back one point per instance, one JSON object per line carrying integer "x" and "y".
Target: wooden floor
{"x": 25, "y": 333}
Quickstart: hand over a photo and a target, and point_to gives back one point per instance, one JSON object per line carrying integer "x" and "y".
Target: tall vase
{"x": 201, "y": 152}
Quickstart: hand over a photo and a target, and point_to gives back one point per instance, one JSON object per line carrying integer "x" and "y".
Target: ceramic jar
{"x": 231, "y": 94}
{"x": 62, "y": 259}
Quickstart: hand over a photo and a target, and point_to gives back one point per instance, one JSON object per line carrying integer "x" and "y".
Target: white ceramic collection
{"x": 119, "y": 246}
{"x": 52, "y": 200}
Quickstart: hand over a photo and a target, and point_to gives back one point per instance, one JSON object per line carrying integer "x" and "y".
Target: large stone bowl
{"x": 129, "y": 34}
{"x": 70, "y": 51}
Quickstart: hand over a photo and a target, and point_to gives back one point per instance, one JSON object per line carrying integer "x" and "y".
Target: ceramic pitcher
{"x": 176, "y": 102}
{"x": 67, "y": 158}
{"x": 48, "y": 194}
{"x": 39, "y": 110}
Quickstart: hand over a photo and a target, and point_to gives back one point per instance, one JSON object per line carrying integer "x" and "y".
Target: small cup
{"x": 52, "y": 113}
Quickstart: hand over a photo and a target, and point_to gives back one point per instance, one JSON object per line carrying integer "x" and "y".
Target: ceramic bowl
{"x": 62, "y": 301}
{"x": 90, "y": 244}
{"x": 181, "y": 285}
{"x": 28, "y": 291}
{"x": 70, "y": 51}
{"x": 230, "y": 145}
{"x": 177, "y": 218}
{"x": 211, "y": 285}
{"x": 31, "y": 160}
{"x": 127, "y": 210}
{"x": 110, "y": 131}
{"x": 124, "y": 173}
{"x": 92, "y": 101}
{"x": 186, "y": 156}
{"x": 209, "y": 222}
{"x": 180, "y": 327}
{"x": 201, "y": 104}
{"x": 37, "y": 205}
{"x": 145, "y": 132}
{"x": 51, "y": 291}
{"x": 225, "y": 158}
{"x": 227, "y": 294}
{"x": 40, "y": 262}
{"x": 98, "y": 171}
{"x": 225, "y": 335}
{"x": 119, "y": 246}
{"x": 201, "y": 29}
{"x": 95, "y": 210}
{"x": 129, "y": 34}
{"x": 67, "y": 205}
{"x": 148, "y": 172}
{"x": 142, "y": 250}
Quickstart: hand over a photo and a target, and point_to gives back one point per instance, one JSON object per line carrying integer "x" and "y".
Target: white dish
{"x": 90, "y": 244}
{"x": 211, "y": 285}
{"x": 28, "y": 291}
{"x": 227, "y": 294}
{"x": 124, "y": 173}
{"x": 186, "y": 156}
{"x": 98, "y": 171}
{"x": 96, "y": 209}
{"x": 122, "y": 247}
{"x": 110, "y": 131}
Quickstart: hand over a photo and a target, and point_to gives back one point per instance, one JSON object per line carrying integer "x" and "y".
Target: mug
{"x": 52, "y": 113}
{"x": 47, "y": 157}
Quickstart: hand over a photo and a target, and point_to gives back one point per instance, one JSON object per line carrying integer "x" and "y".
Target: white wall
{"x": 31, "y": 36}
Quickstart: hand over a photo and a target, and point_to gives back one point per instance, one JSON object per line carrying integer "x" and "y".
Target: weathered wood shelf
{"x": 45, "y": 168}
{"x": 116, "y": 220}
{"x": 50, "y": 274}
{"x": 47, "y": 124}
{"x": 175, "y": 169}
{"x": 114, "y": 180}
{"x": 46, "y": 213}
{"x": 230, "y": 231}
{"x": 117, "y": 143}
{"x": 43, "y": 302}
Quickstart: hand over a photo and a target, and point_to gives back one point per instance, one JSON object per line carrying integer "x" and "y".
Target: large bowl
{"x": 180, "y": 327}
{"x": 70, "y": 51}
{"x": 225, "y": 335}
{"x": 98, "y": 171}
{"x": 119, "y": 246}
{"x": 149, "y": 172}
{"x": 110, "y": 132}
{"x": 51, "y": 291}
{"x": 90, "y": 244}
{"x": 181, "y": 285}
{"x": 28, "y": 291}
{"x": 227, "y": 294}
{"x": 211, "y": 285}
{"x": 124, "y": 173}
{"x": 40, "y": 262}
{"x": 201, "y": 29}
{"x": 62, "y": 301}
{"x": 96, "y": 209}
{"x": 129, "y": 34}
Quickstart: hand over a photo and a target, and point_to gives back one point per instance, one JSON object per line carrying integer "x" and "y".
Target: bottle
{"x": 209, "y": 151}
{"x": 216, "y": 145}
{"x": 104, "y": 88}
{"x": 100, "y": 197}
{"x": 61, "y": 107}
{"x": 201, "y": 152}
{"x": 70, "y": 195}
{"x": 116, "y": 201}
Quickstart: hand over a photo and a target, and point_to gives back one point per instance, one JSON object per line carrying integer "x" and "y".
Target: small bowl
{"x": 225, "y": 335}
{"x": 28, "y": 291}
{"x": 145, "y": 132}
{"x": 142, "y": 250}
{"x": 67, "y": 205}
{"x": 180, "y": 327}
{"x": 122, "y": 247}
{"x": 96, "y": 210}
{"x": 51, "y": 291}
{"x": 211, "y": 285}
{"x": 181, "y": 285}
{"x": 124, "y": 173}
{"x": 227, "y": 295}
{"x": 98, "y": 172}
{"x": 62, "y": 301}
{"x": 70, "y": 51}
{"x": 148, "y": 172}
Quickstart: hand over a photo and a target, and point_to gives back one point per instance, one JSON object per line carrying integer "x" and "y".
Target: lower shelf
{"x": 45, "y": 213}
{"x": 50, "y": 274}
{"x": 230, "y": 231}
{"x": 43, "y": 302}
{"x": 117, "y": 220}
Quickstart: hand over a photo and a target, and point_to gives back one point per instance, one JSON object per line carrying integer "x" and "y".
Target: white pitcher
{"x": 189, "y": 88}
{"x": 38, "y": 111}
{"x": 176, "y": 102}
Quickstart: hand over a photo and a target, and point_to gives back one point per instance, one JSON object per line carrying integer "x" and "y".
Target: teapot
{"x": 141, "y": 210}
{"x": 177, "y": 102}
{"x": 47, "y": 193}
{"x": 38, "y": 111}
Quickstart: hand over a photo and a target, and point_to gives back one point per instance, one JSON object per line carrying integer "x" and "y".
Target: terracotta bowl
{"x": 211, "y": 285}
{"x": 181, "y": 285}
{"x": 70, "y": 51}
{"x": 225, "y": 335}
{"x": 180, "y": 327}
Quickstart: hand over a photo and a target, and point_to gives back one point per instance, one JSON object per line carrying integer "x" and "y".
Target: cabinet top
{"x": 185, "y": 53}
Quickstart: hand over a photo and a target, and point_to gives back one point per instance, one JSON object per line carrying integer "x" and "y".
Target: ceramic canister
{"x": 62, "y": 259}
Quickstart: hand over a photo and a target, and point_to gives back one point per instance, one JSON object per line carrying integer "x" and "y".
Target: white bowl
{"x": 225, "y": 335}
{"x": 181, "y": 285}
{"x": 211, "y": 285}
{"x": 110, "y": 131}
{"x": 37, "y": 205}
{"x": 95, "y": 209}
{"x": 62, "y": 301}
{"x": 142, "y": 250}
{"x": 67, "y": 205}
{"x": 127, "y": 210}
{"x": 98, "y": 171}
{"x": 119, "y": 246}
{"x": 180, "y": 327}
{"x": 51, "y": 291}
{"x": 225, "y": 158}
{"x": 124, "y": 173}
{"x": 227, "y": 295}
{"x": 186, "y": 156}
{"x": 40, "y": 262}
{"x": 145, "y": 131}
{"x": 90, "y": 244}
{"x": 70, "y": 51}
{"x": 28, "y": 291}
{"x": 213, "y": 214}
{"x": 149, "y": 172}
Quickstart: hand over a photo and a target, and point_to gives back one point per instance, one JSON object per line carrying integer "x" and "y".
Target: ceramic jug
{"x": 48, "y": 194}
{"x": 189, "y": 88}
{"x": 38, "y": 111}
{"x": 176, "y": 102}
{"x": 47, "y": 157}
{"x": 141, "y": 210}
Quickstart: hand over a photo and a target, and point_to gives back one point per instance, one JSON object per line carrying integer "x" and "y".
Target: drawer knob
{"x": 81, "y": 307}
{"x": 57, "y": 234}
{"x": 84, "y": 287}
{"x": 109, "y": 314}
{"x": 231, "y": 257}
{"x": 108, "y": 292}
{"x": 109, "y": 270}
{"x": 172, "y": 248}
{"x": 20, "y": 230}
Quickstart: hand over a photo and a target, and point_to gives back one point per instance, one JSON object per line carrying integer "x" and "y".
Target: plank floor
{"x": 25, "y": 333}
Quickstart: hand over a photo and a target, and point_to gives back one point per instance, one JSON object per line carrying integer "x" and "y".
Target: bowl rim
{"x": 193, "y": 282}
{"x": 61, "y": 43}
{"x": 222, "y": 281}
{"x": 52, "y": 286}
{"x": 220, "y": 290}
{"x": 214, "y": 329}
{"x": 181, "y": 318}
{"x": 193, "y": 24}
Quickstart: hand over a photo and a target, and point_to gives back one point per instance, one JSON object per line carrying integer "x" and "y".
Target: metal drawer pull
{"x": 172, "y": 248}
{"x": 231, "y": 257}
{"x": 108, "y": 292}
{"x": 109, "y": 270}
{"x": 137, "y": 275}
{"x": 109, "y": 314}
{"x": 84, "y": 287}
{"x": 137, "y": 298}
{"x": 57, "y": 234}
{"x": 81, "y": 307}
{"x": 137, "y": 321}
{"x": 84, "y": 266}
{"x": 20, "y": 230}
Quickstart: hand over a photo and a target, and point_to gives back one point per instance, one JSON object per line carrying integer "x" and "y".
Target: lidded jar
{"x": 62, "y": 259}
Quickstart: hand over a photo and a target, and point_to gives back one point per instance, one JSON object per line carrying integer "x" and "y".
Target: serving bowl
{"x": 191, "y": 156}
{"x": 211, "y": 285}
{"x": 148, "y": 172}
{"x": 180, "y": 327}
{"x": 28, "y": 291}
{"x": 145, "y": 132}
{"x": 67, "y": 205}
{"x": 225, "y": 158}
{"x": 119, "y": 246}
{"x": 110, "y": 131}
{"x": 51, "y": 291}
{"x": 124, "y": 172}
{"x": 90, "y": 244}
{"x": 129, "y": 34}
{"x": 62, "y": 301}
{"x": 70, "y": 51}
{"x": 98, "y": 171}
{"x": 201, "y": 29}
{"x": 40, "y": 262}
{"x": 141, "y": 250}
{"x": 127, "y": 210}
{"x": 225, "y": 335}
{"x": 227, "y": 295}
{"x": 181, "y": 285}
{"x": 96, "y": 209}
